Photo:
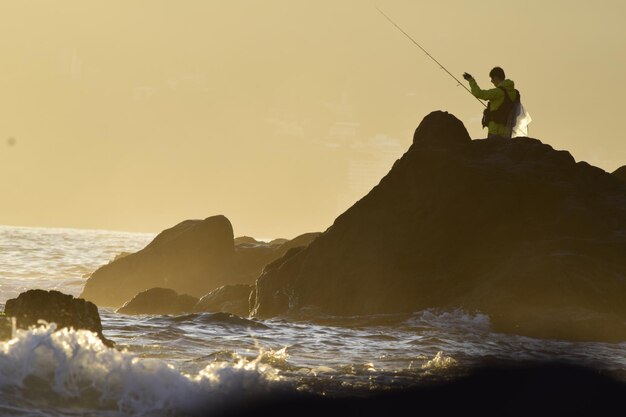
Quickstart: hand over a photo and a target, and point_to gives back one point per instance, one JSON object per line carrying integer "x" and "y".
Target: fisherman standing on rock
{"x": 503, "y": 108}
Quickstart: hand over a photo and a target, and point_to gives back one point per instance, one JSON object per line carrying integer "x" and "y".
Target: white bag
{"x": 522, "y": 120}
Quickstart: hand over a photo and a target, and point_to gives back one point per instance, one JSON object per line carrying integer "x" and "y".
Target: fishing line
{"x": 429, "y": 55}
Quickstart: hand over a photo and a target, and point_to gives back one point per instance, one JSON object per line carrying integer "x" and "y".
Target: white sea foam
{"x": 440, "y": 361}
{"x": 74, "y": 367}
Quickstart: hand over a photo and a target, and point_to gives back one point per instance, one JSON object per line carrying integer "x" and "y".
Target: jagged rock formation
{"x": 54, "y": 307}
{"x": 159, "y": 301}
{"x": 620, "y": 173}
{"x": 228, "y": 299}
{"x": 513, "y": 228}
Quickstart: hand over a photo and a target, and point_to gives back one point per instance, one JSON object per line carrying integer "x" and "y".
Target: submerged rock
{"x": 233, "y": 299}
{"x": 512, "y": 228}
{"x": 228, "y": 299}
{"x": 54, "y": 307}
{"x": 159, "y": 301}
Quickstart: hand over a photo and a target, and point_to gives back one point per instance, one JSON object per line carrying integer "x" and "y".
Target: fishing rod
{"x": 429, "y": 55}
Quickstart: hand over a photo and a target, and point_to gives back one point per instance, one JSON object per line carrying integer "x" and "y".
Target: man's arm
{"x": 484, "y": 94}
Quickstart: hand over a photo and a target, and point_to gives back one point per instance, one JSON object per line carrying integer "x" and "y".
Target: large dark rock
{"x": 192, "y": 257}
{"x": 159, "y": 301}
{"x": 228, "y": 299}
{"x": 620, "y": 173}
{"x": 512, "y": 228}
{"x": 55, "y": 307}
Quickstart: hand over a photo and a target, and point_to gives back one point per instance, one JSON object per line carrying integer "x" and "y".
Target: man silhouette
{"x": 498, "y": 115}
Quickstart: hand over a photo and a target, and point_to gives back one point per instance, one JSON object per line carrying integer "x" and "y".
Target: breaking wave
{"x": 74, "y": 369}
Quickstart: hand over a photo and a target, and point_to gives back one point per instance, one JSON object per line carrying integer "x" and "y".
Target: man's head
{"x": 497, "y": 75}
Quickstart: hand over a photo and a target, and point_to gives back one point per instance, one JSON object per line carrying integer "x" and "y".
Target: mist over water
{"x": 191, "y": 364}
{"x": 59, "y": 259}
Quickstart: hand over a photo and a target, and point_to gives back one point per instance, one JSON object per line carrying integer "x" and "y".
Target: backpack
{"x": 505, "y": 114}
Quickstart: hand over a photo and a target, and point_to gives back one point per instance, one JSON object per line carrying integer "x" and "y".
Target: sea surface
{"x": 192, "y": 364}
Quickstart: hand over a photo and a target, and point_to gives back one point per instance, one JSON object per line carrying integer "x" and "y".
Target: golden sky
{"x": 135, "y": 115}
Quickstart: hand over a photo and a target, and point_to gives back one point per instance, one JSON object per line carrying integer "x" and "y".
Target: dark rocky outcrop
{"x": 160, "y": 301}
{"x": 620, "y": 173}
{"x": 192, "y": 257}
{"x": 514, "y": 228}
{"x": 228, "y": 299}
{"x": 54, "y": 307}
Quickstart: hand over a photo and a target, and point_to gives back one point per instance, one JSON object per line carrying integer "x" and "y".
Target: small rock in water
{"x": 53, "y": 307}
{"x": 159, "y": 301}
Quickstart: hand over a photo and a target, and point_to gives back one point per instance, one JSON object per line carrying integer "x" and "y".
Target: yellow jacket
{"x": 496, "y": 98}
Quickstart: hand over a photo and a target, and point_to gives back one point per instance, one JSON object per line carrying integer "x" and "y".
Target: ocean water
{"x": 197, "y": 364}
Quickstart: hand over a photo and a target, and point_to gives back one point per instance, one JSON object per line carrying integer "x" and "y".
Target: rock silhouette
{"x": 54, "y": 307}
{"x": 193, "y": 257}
{"x": 620, "y": 173}
{"x": 512, "y": 228}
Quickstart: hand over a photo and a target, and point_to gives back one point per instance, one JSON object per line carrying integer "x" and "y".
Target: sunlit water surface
{"x": 165, "y": 365}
